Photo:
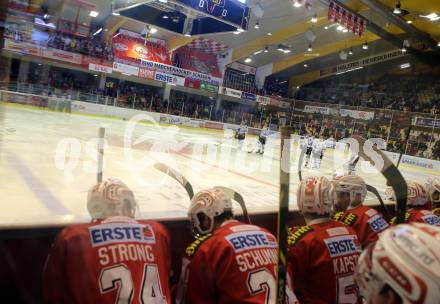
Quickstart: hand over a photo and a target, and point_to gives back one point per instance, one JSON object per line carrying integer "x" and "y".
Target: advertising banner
{"x": 166, "y": 68}
{"x": 192, "y": 83}
{"x": 125, "y": 69}
{"x": 208, "y": 87}
{"x": 243, "y": 68}
{"x": 24, "y": 48}
{"x": 316, "y": 109}
{"x": 62, "y": 56}
{"x": 100, "y": 68}
{"x": 230, "y": 92}
{"x": 263, "y": 100}
{"x": 427, "y": 122}
{"x": 146, "y": 73}
{"x": 249, "y": 96}
{"x": 168, "y": 78}
{"x": 357, "y": 114}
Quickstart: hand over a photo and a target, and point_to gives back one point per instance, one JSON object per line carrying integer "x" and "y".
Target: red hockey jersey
{"x": 366, "y": 221}
{"x": 235, "y": 264}
{"x": 323, "y": 257}
{"x": 419, "y": 216}
{"x": 118, "y": 260}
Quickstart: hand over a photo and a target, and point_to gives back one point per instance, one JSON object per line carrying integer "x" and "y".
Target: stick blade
{"x": 233, "y": 195}
{"x": 176, "y": 176}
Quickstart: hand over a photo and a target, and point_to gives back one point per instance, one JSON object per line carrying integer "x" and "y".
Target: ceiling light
{"x": 247, "y": 60}
{"x": 314, "y": 18}
{"x": 98, "y": 31}
{"x": 286, "y": 51}
{"x": 438, "y": 43}
{"x": 266, "y": 49}
{"x": 45, "y": 16}
{"x": 344, "y": 30}
{"x": 269, "y": 34}
{"x": 240, "y": 30}
{"x": 189, "y": 34}
{"x": 306, "y": 65}
{"x": 409, "y": 21}
{"x": 258, "y": 52}
{"x": 237, "y": 33}
{"x": 350, "y": 52}
{"x": 405, "y": 65}
{"x": 93, "y": 14}
{"x": 153, "y": 30}
{"x": 404, "y": 49}
{"x": 257, "y": 25}
{"x": 165, "y": 17}
{"x": 163, "y": 1}
{"x": 309, "y": 49}
{"x": 340, "y": 28}
{"x": 116, "y": 14}
{"x": 297, "y": 87}
{"x": 365, "y": 46}
{"x": 431, "y": 17}
{"x": 326, "y": 27}
{"x": 397, "y": 10}
{"x": 95, "y": 75}
{"x": 297, "y": 3}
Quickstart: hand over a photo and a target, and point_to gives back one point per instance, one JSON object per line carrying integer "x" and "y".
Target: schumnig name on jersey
{"x": 254, "y": 249}
{"x": 114, "y": 238}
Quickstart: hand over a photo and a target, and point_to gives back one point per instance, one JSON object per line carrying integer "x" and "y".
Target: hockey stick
{"x": 300, "y": 161}
{"x": 404, "y": 147}
{"x": 101, "y": 134}
{"x": 233, "y": 195}
{"x": 282, "y": 214}
{"x": 176, "y": 176}
{"x": 373, "y": 190}
{"x": 390, "y": 172}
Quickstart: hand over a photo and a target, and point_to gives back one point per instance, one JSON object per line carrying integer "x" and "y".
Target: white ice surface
{"x": 43, "y": 184}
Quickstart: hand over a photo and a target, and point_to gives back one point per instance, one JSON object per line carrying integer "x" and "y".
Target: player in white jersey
{"x": 317, "y": 152}
{"x": 261, "y": 144}
{"x": 309, "y": 143}
{"x": 241, "y": 135}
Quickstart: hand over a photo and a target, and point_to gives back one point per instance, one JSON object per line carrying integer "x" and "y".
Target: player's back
{"x": 323, "y": 257}
{"x": 366, "y": 221}
{"x": 231, "y": 266}
{"x": 419, "y": 215}
{"x": 118, "y": 260}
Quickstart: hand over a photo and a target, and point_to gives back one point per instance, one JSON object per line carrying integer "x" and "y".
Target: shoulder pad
{"x": 297, "y": 234}
{"x": 191, "y": 249}
{"x": 436, "y": 211}
{"x": 407, "y": 216}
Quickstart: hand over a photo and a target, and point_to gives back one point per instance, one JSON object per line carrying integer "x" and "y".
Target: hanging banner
{"x": 230, "y": 92}
{"x": 198, "y": 61}
{"x": 243, "y": 68}
{"x": 357, "y": 114}
{"x": 135, "y": 50}
{"x": 146, "y": 73}
{"x": 166, "y": 68}
{"x": 168, "y": 78}
{"x": 316, "y": 109}
{"x": 249, "y": 96}
{"x": 347, "y": 19}
{"x": 100, "y": 68}
{"x": 426, "y": 122}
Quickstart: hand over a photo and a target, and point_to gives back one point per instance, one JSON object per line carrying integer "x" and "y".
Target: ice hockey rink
{"x": 48, "y": 162}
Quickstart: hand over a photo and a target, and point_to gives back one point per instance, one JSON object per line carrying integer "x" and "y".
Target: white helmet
{"x": 406, "y": 258}
{"x": 352, "y": 184}
{"x": 417, "y": 194}
{"x": 111, "y": 198}
{"x": 210, "y": 202}
{"x": 433, "y": 186}
{"x": 315, "y": 195}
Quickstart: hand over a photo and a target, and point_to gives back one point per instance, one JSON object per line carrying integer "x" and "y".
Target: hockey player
{"x": 265, "y": 132}
{"x": 317, "y": 153}
{"x": 323, "y": 254}
{"x": 351, "y": 191}
{"x": 114, "y": 259}
{"x": 241, "y": 135}
{"x": 434, "y": 195}
{"x": 418, "y": 206}
{"x": 402, "y": 267}
{"x": 230, "y": 262}
{"x": 309, "y": 146}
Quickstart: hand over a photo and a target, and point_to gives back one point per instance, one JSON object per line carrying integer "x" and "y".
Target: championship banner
{"x": 100, "y": 68}
{"x": 146, "y": 73}
{"x": 198, "y": 61}
{"x": 316, "y": 109}
{"x": 169, "y": 69}
{"x": 125, "y": 69}
{"x": 249, "y": 96}
{"x": 426, "y": 122}
{"x": 345, "y": 18}
{"x": 134, "y": 50}
{"x": 357, "y": 114}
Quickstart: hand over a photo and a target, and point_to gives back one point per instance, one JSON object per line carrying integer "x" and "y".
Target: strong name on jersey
{"x": 322, "y": 257}
{"x": 419, "y": 216}
{"x": 234, "y": 264}
{"x": 117, "y": 260}
{"x": 366, "y": 221}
